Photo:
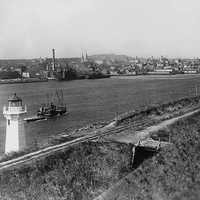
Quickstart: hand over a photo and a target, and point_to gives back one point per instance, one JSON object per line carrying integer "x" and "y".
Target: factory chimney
{"x": 54, "y": 60}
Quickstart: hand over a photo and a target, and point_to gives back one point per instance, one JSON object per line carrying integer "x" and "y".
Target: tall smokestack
{"x": 54, "y": 60}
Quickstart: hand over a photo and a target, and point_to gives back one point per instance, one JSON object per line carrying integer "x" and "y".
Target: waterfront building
{"x": 25, "y": 74}
{"x": 15, "y": 133}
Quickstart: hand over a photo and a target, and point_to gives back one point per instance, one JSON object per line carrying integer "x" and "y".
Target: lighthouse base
{"x": 15, "y": 136}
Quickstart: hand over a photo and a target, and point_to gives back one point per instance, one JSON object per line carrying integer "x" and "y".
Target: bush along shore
{"x": 167, "y": 110}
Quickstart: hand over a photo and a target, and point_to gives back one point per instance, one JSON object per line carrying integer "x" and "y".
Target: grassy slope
{"x": 79, "y": 173}
{"x": 173, "y": 173}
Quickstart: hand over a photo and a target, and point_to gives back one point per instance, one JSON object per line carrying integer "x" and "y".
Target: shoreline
{"x": 29, "y": 80}
{"x": 158, "y": 76}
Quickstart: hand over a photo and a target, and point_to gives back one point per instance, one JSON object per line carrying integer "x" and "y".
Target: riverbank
{"x": 158, "y": 76}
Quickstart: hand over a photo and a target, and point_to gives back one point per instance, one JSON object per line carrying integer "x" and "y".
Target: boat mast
{"x": 57, "y": 95}
{"x": 47, "y": 98}
{"x": 62, "y": 98}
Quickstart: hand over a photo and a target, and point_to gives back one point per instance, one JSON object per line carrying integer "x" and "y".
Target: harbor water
{"x": 92, "y": 101}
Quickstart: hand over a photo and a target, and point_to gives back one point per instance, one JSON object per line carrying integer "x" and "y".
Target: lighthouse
{"x": 15, "y": 134}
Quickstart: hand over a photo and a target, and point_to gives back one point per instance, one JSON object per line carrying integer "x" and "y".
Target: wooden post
{"x": 133, "y": 155}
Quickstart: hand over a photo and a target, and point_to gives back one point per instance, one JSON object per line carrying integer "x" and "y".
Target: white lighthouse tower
{"x": 15, "y": 134}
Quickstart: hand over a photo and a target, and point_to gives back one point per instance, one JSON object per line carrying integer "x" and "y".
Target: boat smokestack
{"x": 54, "y": 60}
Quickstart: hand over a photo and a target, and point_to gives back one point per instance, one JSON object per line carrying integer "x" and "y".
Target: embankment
{"x": 163, "y": 111}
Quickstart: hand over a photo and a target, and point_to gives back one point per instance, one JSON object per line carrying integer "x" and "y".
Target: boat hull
{"x": 35, "y": 118}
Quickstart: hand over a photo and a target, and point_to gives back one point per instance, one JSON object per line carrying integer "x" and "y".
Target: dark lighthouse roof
{"x": 14, "y": 98}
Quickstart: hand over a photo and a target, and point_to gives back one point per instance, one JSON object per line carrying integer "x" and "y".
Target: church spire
{"x": 82, "y": 58}
{"x": 86, "y": 56}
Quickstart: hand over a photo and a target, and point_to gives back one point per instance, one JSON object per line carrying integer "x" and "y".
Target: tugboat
{"x": 50, "y": 110}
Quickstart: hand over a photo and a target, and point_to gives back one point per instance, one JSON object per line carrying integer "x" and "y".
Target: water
{"x": 93, "y": 100}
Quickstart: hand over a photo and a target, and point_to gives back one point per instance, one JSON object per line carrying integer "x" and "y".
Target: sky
{"x": 31, "y": 28}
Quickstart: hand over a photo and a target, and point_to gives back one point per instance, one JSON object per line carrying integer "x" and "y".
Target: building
{"x": 25, "y": 74}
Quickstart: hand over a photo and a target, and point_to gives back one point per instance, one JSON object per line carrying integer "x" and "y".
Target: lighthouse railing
{"x": 8, "y": 109}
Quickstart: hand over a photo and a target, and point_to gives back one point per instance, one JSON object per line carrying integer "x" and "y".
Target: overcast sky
{"x": 31, "y": 28}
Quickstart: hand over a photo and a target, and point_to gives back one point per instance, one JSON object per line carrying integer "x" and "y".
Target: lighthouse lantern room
{"x": 15, "y": 134}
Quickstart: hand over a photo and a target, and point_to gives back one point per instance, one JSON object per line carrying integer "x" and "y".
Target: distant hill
{"x": 111, "y": 57}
